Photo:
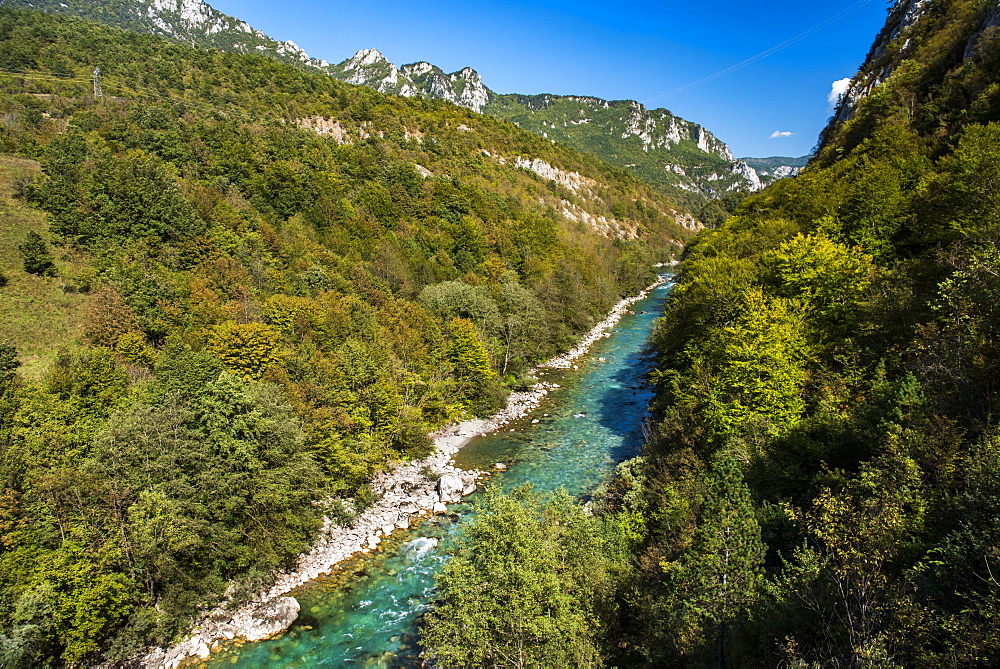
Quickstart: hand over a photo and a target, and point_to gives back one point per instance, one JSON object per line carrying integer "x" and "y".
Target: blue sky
{"x": 632, "y": 49}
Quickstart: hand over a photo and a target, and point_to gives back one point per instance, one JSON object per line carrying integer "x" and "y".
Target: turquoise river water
{"x": 367, "y": 613}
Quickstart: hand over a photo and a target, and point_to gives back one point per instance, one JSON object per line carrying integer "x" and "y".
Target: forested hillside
{"x": 240, "y": 289}
{"x": 822, "y": 486}
{"x": 678, "y": 157}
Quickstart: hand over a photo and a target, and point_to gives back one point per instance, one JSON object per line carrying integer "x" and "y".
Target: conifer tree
{"x": 36, "y": 256}
{"x": 717, "y": 578}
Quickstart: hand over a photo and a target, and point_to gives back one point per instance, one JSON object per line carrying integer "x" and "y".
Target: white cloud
{"x": 837, "y": 90}
{"x": 782, "y": 133}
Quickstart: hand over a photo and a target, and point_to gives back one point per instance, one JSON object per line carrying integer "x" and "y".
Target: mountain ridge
{"x": 679, "y": 157}
{"x": 682, "y": 157}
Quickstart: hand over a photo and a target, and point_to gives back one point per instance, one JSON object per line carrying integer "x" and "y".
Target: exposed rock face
{"x": 571, "y": 180}
{"x": 741, "y": 169}
{"x": 988, "y": 30}
{"x": 677, "y": 155}
{"x": 883, "y": 61}
{"x": 193, "y": 21}
{"x": 370, "y": 68}
{"x": 634, "y": 130}
{"x": 269, "y": 618}
{"x": 774, "y": 168}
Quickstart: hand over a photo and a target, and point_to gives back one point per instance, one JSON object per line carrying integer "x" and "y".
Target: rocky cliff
{"x": 191, "y": 21}
{"x": 918, "y": 31}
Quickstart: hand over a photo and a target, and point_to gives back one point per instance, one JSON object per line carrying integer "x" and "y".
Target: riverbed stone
{"x": 268, "y": 618}
{"x": 404, "y": 487}
{"x": 450, "y": 487}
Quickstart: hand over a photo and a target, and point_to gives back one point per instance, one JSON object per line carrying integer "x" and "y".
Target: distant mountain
{"x": 771, "y": 169}
{"x": 679, "y": 157}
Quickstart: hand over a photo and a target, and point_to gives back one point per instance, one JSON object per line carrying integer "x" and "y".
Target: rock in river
{"x": 269, "y": 618}
{"x": 450, "y": 487}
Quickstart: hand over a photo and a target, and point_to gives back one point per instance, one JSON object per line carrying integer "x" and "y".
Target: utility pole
{"x": 98, "y": 93}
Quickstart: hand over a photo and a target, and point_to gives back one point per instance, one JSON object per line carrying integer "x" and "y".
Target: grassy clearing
{"x": 37, "y": 314}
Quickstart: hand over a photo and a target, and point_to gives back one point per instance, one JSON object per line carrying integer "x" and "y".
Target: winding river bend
{"x": 366, "y": 613}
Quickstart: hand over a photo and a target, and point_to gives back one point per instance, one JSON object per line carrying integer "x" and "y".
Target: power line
{"x": 768, "y": 52}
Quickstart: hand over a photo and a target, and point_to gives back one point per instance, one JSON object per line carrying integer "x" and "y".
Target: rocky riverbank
{"x": 406, "y": 493}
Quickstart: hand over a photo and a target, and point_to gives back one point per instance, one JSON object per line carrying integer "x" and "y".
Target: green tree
{"x": 830, "y": 279}
{"x": 963, "y": 198}
{"x": 478, "y": 383}
{"x": 855, "y": 534}
{"x": 717, "y": 578}
{"x": 468, "y": 352}
{"x": 246, "y": 348}
{"x": 522, "y": 590}
{"x": 36, "y": 256}
{"x": 760, "y": 363}
{"x": 456, "y": 299}
{"x": 523, "y": 319}
{"x": 8, "y": 365}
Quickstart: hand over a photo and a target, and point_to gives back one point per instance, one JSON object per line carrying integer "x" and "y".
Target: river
{"x": 366, "y": 614}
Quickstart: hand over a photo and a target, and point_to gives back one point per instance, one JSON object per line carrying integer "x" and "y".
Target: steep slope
{"x": 191, "y": 21}
{"x": 774, "y": 168}
{"x": 369, "y": 67}
{"x": 930, "y": 52}
{"x": 680, "y": 158}
{"x": 266, "y": 284}
{"x": 827, "y": 391}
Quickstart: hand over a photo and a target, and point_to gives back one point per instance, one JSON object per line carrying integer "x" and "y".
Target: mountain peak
{"x": 364, "y": 58}
{"x": 415, "y": 80}
{"x": 417, "y": 69}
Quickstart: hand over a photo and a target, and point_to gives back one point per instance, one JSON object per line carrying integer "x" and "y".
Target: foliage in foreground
{"x": 836, "y": 341}
{"x": 525, "y": 587}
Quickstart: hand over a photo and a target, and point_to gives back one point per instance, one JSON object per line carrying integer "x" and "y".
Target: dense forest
{"x": 822, "y": 486}
{"x": 219, "y": 322}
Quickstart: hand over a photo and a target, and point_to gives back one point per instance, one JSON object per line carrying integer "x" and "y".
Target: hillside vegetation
{"x": 677, "y": 157}
{"x": 822, "y": 486}
{"x": 236, "y": 289}
{"x": 834, "y": 348}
